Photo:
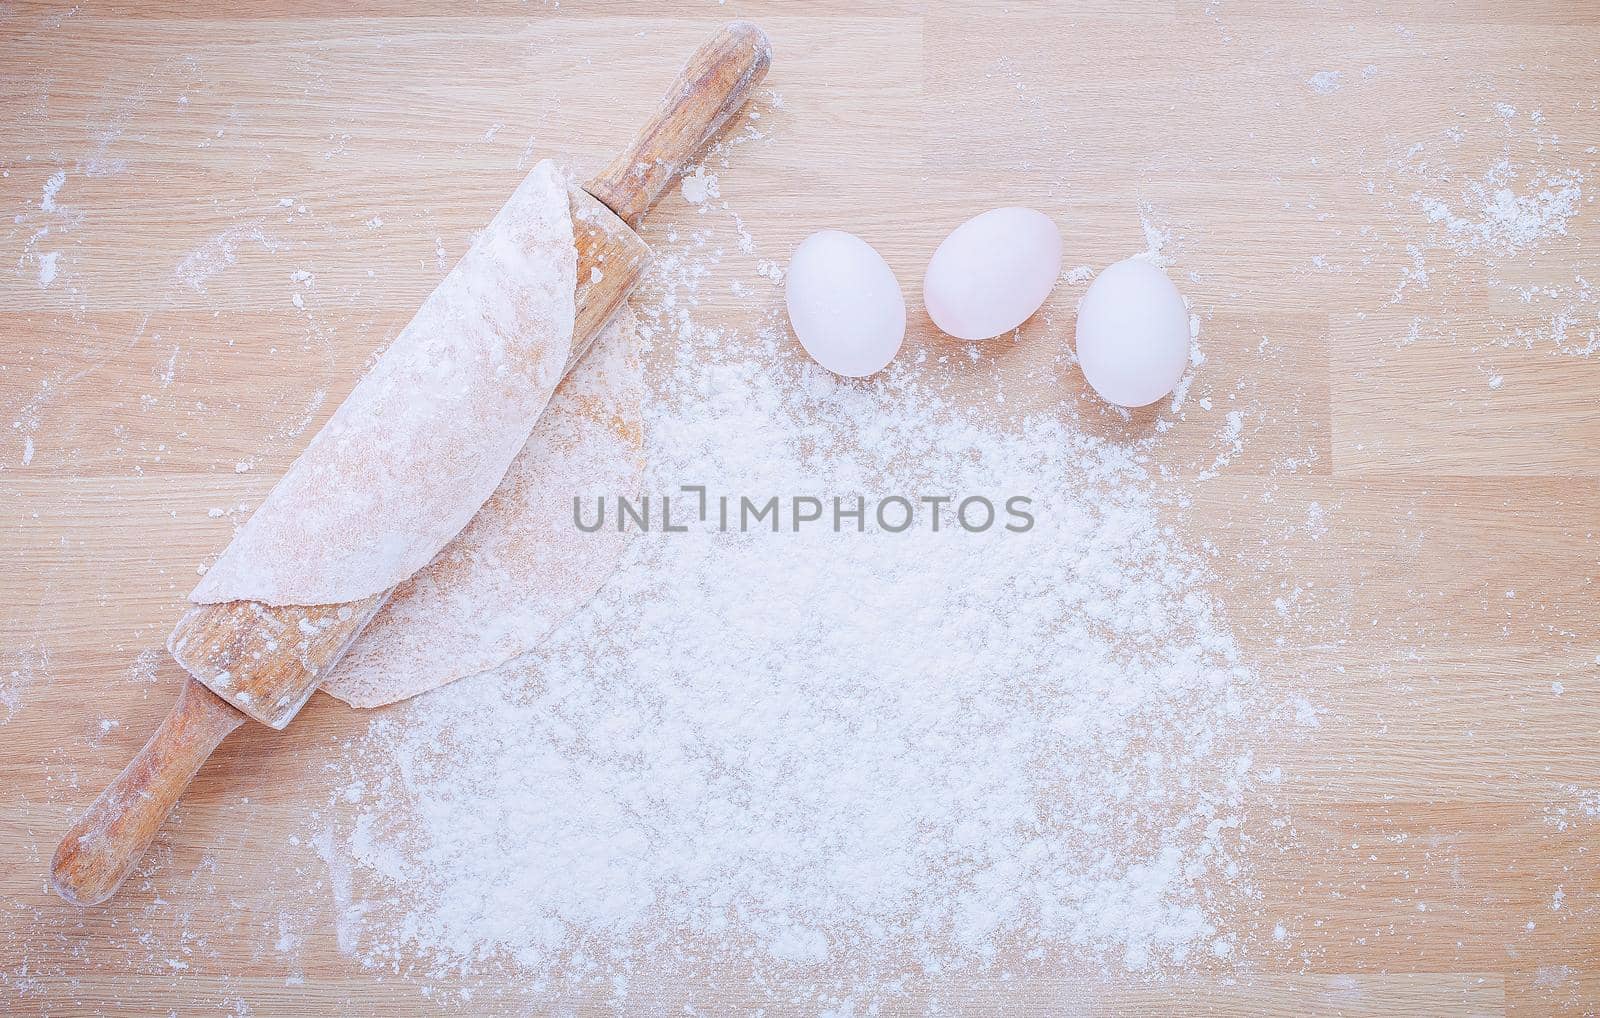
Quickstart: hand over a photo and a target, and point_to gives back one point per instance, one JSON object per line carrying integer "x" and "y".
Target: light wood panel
{"x": 1383, "y": 502}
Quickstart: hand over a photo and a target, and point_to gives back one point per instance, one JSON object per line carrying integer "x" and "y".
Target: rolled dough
{"x": 428, "y": 434}
{"x": 521, "y": 567}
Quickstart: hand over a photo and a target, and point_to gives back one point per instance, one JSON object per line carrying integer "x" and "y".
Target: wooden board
{"x": 1403, "y": 539}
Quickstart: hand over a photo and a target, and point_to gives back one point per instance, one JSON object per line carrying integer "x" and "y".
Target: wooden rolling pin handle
{"x": 104, "y": 845}
{"x": 716, "y": 81}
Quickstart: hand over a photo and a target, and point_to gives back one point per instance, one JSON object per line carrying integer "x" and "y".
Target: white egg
{"x": 1133, "y": 334}
{"x": 992, "y": 273}
{"x": 845, "y": 304}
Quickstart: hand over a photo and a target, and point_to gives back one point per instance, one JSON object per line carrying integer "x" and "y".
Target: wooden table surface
{"x": 1405, "y": 499}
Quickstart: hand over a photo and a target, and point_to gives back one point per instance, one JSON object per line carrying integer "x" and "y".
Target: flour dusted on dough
{"x": 521, "y": 567}
{"x": 427, "y": 435}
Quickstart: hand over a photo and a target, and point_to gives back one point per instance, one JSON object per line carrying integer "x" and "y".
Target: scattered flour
{"x": 1157, "y": 238}
{"x": 1232, "y": 441}
{"x": 51, "y": 220}
{"x": 21, "y": 665}
{"x": 1499, "y": 215}
{"x": 1325, "y": 82}
{"x": 850, "y": 758}
{"x": 216, "y": 254}
{"x": 1508, "y": 226}
{"x": 698, "y": 186}
{"x": 52, "y": 187}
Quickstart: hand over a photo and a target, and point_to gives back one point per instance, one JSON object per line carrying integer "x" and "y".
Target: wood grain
{"x": 1430, "y": 848}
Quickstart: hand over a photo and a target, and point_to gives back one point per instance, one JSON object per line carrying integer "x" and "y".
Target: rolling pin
{"x": 247, "y": 659}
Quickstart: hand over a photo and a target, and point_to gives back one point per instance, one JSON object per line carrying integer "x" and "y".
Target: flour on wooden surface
{"x": 1507, "y": 224}
{"x": 218, "y": 253}
{"x": 698, "y": 185}
{"x": 52, "y": 187}
{"x": 1505, "y": 212}
{"x": 1325, "y": 82}
{"x": 838, "y": 759}
{"x": 48, "y": 261}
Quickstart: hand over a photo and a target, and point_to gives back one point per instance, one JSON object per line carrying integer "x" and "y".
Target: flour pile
{"x": 854, "y": 755}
